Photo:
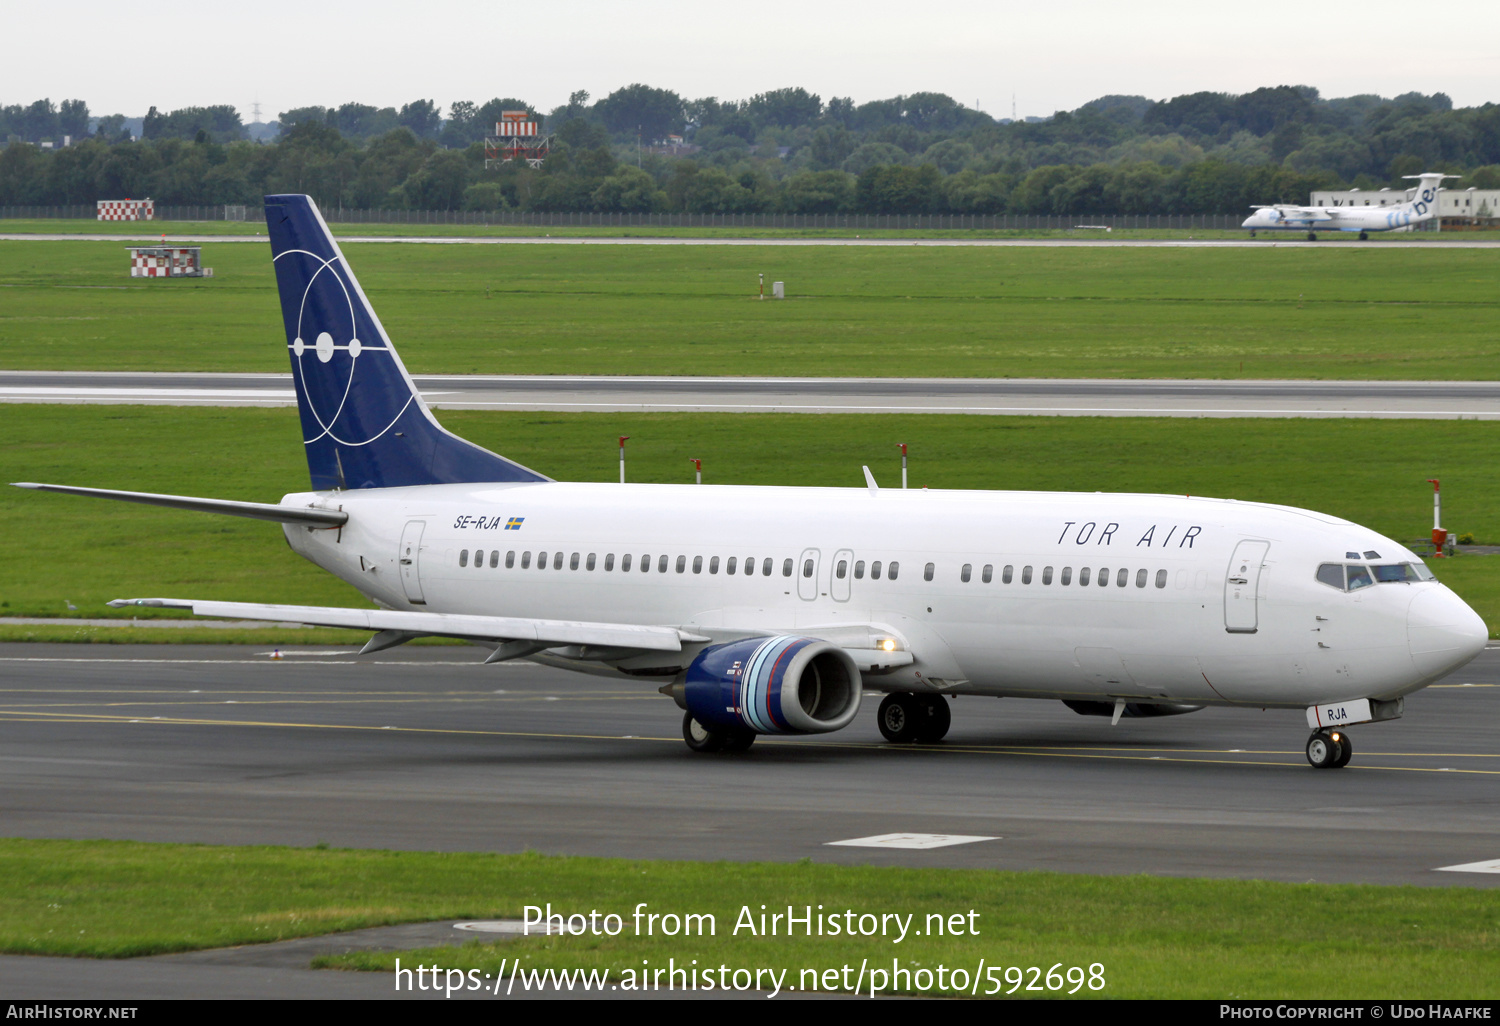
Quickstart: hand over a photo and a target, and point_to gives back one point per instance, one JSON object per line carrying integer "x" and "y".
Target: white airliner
{"x": 772, "y": 610}
{"x": 1421, "y": 208}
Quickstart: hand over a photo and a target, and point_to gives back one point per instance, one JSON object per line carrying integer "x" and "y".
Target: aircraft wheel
{"x": 1312, "y": 237}
{"x": 738, "y": 740}
{"x": 1323, "y": 752}
{"x": 698, "y": 737}
{"x": 936, "y": 718}
{"x": 900, "y": 717}
{"x": 1363, "y": 236}
{"x": 1252, "y": 235}
{"x": 1346, "y": 750}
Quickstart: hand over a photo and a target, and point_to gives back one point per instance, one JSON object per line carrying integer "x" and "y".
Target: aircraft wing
{"x": 397, "y": 626}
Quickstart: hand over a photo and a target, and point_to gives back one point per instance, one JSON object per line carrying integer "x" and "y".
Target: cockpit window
{"x": 1423, "y": 574}
{"x": 1332, "y": 574}
{"x": 1359, "y": 577}
{"x": 1395, "y": 572}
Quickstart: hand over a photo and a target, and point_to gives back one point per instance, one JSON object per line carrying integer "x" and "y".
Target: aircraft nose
{"x": 1442, "y": 632}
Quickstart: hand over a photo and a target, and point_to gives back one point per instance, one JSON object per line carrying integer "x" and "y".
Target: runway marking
{"x": 1492, "y": 866}
{"x": 1048, "y": 752}
{"x": 912, "y": 841}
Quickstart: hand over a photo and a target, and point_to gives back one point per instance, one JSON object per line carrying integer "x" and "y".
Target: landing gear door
{"x": 411, "y": 550}
{"x": 1241, "y": 586}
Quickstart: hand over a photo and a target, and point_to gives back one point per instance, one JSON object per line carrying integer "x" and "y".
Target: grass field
{"x": 1377, "y": 312}
{"x": 87, "y": 551}
{"x": 1155, "y": 937}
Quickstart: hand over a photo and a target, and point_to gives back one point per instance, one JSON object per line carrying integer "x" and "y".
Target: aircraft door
{"x": 1241, "y": 586}
{"x": 843, "y": 571}
{"x": 807, "y": 575}
{"x": 411, "y": 550}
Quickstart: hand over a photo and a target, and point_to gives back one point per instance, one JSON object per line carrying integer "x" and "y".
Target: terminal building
{"x": 1457, "y": 208}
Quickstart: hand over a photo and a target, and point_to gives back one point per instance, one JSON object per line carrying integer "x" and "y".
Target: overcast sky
{"x": 1051, "y": 56}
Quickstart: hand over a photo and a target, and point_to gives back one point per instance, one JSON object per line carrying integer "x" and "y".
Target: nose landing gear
{"x": 1329, "y": 749}
{"x": 1312, "y": 236}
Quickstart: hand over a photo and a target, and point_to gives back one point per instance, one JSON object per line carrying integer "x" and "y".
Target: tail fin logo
{"x": 326, "y": 400}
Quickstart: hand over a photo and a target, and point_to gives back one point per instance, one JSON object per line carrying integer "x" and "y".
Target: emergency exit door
{"x": 409, "y": 563}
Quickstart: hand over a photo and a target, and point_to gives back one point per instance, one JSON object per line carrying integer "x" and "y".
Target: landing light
{"x": 887, "y": 645}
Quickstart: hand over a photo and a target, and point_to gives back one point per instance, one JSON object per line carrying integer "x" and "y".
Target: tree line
{"x": 782, "y": 151}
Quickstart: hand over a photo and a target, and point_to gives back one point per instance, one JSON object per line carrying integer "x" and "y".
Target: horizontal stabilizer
{"x": 446, "y": 625}
{"x": 309, "y": 516}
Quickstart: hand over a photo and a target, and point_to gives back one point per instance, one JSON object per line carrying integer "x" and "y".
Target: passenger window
{"x": 965, "y": 573}
{"x": 713, "y": 565}
{"x": 609, "y": 561}
{"x": 749, "y": 565}
{"x": 1122, "y": 577}
{"x": 589, "y": 563}
{"x": 988, "y": 573}
{"x": 1007, "y": 574}
{"x": 1332, "y": 574}
{"x": 645, "y": 563}
{"x": 510, "y": 559}
{"x": 625, "y": 563}
{"x": 681, "y": 564}
{"x": 892, "y": 570}
{"x": 1067, "y": 576}
{"x": 573, "y": 561}
{"x": 927, "y": 572}
{"x": 841, "y": 569}
{"x": 765, "y": 567}
{"x": 478, "y": 558}
{"x": 494, "y": 558}
{"x": 557, "y": 558}
{"x": 1140, "y": 578}
{"x": 875, "y": 570}
{"x": 1161, "y": 578}
{"x": 697, "y": 564}
{"x": 661, "y": 565}
{"x": 1083, "y": 575}
{"x": 1104, "y": 577}
{"x": 1046, "y": 575}
{"x": 786, "y": 567}
{"x": 541, "y": 561}
{"x": 1359, "y": 577}
{"x": 729, "y": 567}
{"x": 859, "y": 569}
{"x": 526, "y": 560}
{"x": 1025, "y": 575}
{"x": 463, "y": 558}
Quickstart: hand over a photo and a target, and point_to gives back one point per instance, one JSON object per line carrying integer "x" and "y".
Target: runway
{"x": 1094, "y": 238}
{"x": 425, "y": 748}
{"x": 1475, "y": 400}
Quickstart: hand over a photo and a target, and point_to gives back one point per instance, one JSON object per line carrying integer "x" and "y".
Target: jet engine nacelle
{"x": 779, "y": 685}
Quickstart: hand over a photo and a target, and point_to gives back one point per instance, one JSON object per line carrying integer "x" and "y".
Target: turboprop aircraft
{"x": 1421, "y": 208}
{"x": 771, "y": 610}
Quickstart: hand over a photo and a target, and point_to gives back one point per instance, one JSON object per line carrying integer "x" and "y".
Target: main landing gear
{"x": 701, "y": 739}
{"x": 1312, "y": 236}
{"x": 1364, "y": 236}
{"x": 923, "y": 719}
{"x": 1329, "y": 749}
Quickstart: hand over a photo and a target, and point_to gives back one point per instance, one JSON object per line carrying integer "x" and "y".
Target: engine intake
{"x": 779, "y": 685}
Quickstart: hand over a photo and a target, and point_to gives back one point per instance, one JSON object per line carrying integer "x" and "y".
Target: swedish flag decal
{"x": 514, "y": 523}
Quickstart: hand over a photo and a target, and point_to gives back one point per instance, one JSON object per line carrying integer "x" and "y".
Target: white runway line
{"x": 912, "y": 841}
{"x": 1492, "y": 866}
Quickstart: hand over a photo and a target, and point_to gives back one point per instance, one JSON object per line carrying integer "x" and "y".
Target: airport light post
{"x": 903, "y": 463}
{"x": 623, "y": 440}
{"x": 697, "y": 470}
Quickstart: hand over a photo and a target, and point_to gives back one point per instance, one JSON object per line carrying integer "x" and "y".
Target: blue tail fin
{"x": 363, "y": 422}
